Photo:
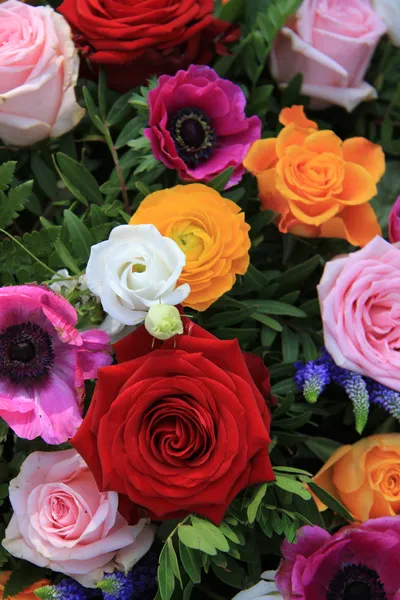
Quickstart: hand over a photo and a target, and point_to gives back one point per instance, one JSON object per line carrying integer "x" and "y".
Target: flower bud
{"x": 163, "y": 321}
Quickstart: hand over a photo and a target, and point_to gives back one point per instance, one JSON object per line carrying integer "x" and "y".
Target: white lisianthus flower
{"x": 389, "y": 12}
{"x": 134, "y": 269}
{"x": 264, "y": 590}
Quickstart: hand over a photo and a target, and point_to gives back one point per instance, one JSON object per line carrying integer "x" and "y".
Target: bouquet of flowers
{"x": 199, "y": 299}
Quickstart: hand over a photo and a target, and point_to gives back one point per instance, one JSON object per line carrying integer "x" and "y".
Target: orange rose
{"x": 319, "y": 185}
{"x": 27, "y": 594}
{"x": 209, "y": 229}
{"x": 365, "y": 477}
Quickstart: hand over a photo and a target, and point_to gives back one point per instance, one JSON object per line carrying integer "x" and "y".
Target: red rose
{"x": 181, "y": 427}
{"x": 139, "y": 38}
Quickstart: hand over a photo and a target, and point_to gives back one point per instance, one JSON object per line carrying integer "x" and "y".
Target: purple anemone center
{"x": 356, "y": 582}
{"x": 26, "y": 352}
{"x": 193, "y": 135}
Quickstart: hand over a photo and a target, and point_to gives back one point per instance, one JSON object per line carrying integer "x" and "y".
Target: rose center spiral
{"x": 193, "y": 135}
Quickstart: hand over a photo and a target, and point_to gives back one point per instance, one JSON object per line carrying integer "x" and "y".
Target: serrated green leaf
{"x": 212, "y": 533}
{"x": 194, "y": 538}
{"x": 165, "y": 575}
{"x": 330, "y": 501}
{"x": 78, "y": 180}
{"x": 14, "y": 203}
{"x": 257, "y": 497}
{"x": 7, "y": 171}
{"x": 191, "y": 561}
{"x": 80, "y": 236}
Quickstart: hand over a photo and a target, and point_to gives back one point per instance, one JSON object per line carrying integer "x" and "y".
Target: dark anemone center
{"x": 26, "y": 352}
{"x": 193, "y": 135}
{"x": 356, "y": 582}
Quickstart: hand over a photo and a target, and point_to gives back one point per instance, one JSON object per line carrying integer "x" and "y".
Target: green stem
{"x": 118, "y": 168}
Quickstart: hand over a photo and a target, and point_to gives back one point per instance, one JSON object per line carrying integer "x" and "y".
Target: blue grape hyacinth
{"x": 139, "y": 584}
{"x": 314, "y": 376}
{"x": 67, "y": 589}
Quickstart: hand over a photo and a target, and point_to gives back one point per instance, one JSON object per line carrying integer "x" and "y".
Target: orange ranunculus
{"x": 27, "y": 594}
{"x": 319, "y": 185}
{"x": 209, "y": 229}
{"x": 365, "y": 477}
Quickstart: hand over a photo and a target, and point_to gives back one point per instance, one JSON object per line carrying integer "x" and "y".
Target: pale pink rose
{"x": 61, "y": 521}
{"x": 38, "y": 72}
{"x": 359, "y": 295}
{"x": 331, "y": 43}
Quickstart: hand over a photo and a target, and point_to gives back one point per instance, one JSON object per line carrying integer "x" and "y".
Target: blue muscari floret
{"x": 312, "y": 378}
{"x": 385, "y": 397}
{"x": 139, "y": 584}
{"x": 67, "y": 589}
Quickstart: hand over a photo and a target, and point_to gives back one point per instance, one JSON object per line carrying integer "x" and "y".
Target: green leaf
{"x": 322, "y": 447}
{"x": 291, "y": 94}
{"x": 284, "y": 406}
{"x": 187, "y": 592}
{"x": 173, "y": 560}
{"x": 290, "y": 345}
{"x": 80, "y": 236}
{"x": 219, "y": 182}
{"x": 92, "y": 110}
{"x": 78, "y": 180}
{"x": 234, "y": 574}
{"x": 330, "y": 501}
{"x": 299, "y": 273}
{"x": 120, "y": 110}
{"x": 231, "y": 317}
{"x": 272, "y": 323}
{"x": 102, "y": 92}
{"x": 255, "y": 503}
{"x": 7, "y": 171}
{"x": 274, "y": 307}
{"x": 130, "y": 132}
{"x": 294, "y": 422}
{"x": 14, "y": 203}
{"x": 310, "y": 350}
{"x": 230, "y": 533}
{"x": 193, "y": 538}
{"x": 65, "y": 256}
{"x": 44, "y": 176}
{"x": 165, "y": 575}
{"x": 213, "y": 535}
{"x": 293, "y": 486}
{"x": 191, "y": 561}
{"x": 232, "y": 11}
{"x": 25, "y": 575}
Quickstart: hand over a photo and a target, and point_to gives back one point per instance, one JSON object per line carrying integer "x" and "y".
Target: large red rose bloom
{"x": 139, "y": 38}
{"x": 179, "y": 426}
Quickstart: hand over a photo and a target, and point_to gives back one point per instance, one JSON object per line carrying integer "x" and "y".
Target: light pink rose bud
{"x": 61, "y": 521}
{"x": 331, "y": 43}
{"x": 394, "y": 222}
{"x": 38, "y": 72}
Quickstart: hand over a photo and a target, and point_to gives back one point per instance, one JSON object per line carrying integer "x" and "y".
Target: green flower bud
{"x": 163, "y": 321}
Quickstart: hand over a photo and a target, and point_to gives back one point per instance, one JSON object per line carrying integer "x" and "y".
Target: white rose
{"x": 134, "y": 269}
{"x": 389, "y": 12}
{"x": 264, "y": 590}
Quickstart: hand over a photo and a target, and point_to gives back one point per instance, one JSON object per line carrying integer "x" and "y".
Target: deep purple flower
{"x": 394, "y": 222}
{"x": 360, "y": 562}
{"x": 198, "y": 124}
{"x": 44, "y": 361}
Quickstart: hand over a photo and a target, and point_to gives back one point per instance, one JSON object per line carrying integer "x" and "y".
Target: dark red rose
{"x": 179, "y": 426}
{"x": 139, "y": 38}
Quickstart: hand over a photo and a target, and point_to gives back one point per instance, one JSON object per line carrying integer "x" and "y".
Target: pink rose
{"x": 38, "y": 71}
{"x": 61, "y": 521}
{"x": 359, "y": 296}
{"x": 331, "y": 43}
{"x": 394, "y": 222}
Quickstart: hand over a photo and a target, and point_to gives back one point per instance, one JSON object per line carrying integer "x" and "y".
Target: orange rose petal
{"x": 356, "y": 224}
{"x": 324, "y": 477}
{"x": 324, "y": 141}
{"x": 291, "y": 135}
{"x": 380, "y": 507}
{"x": 295, "y": 114}
{"x": 314, "y": 214}
{"x": 261, "y": 156}
{"x": 360, "y": 503}
{"x": 358, "y": 185}
{"x": 363, "y": 152}
{"x": 270, "y": 198}
{"x": 296, "y": 227}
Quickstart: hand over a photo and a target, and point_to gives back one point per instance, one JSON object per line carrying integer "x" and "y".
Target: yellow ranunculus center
{"x": 190, "y": 239}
